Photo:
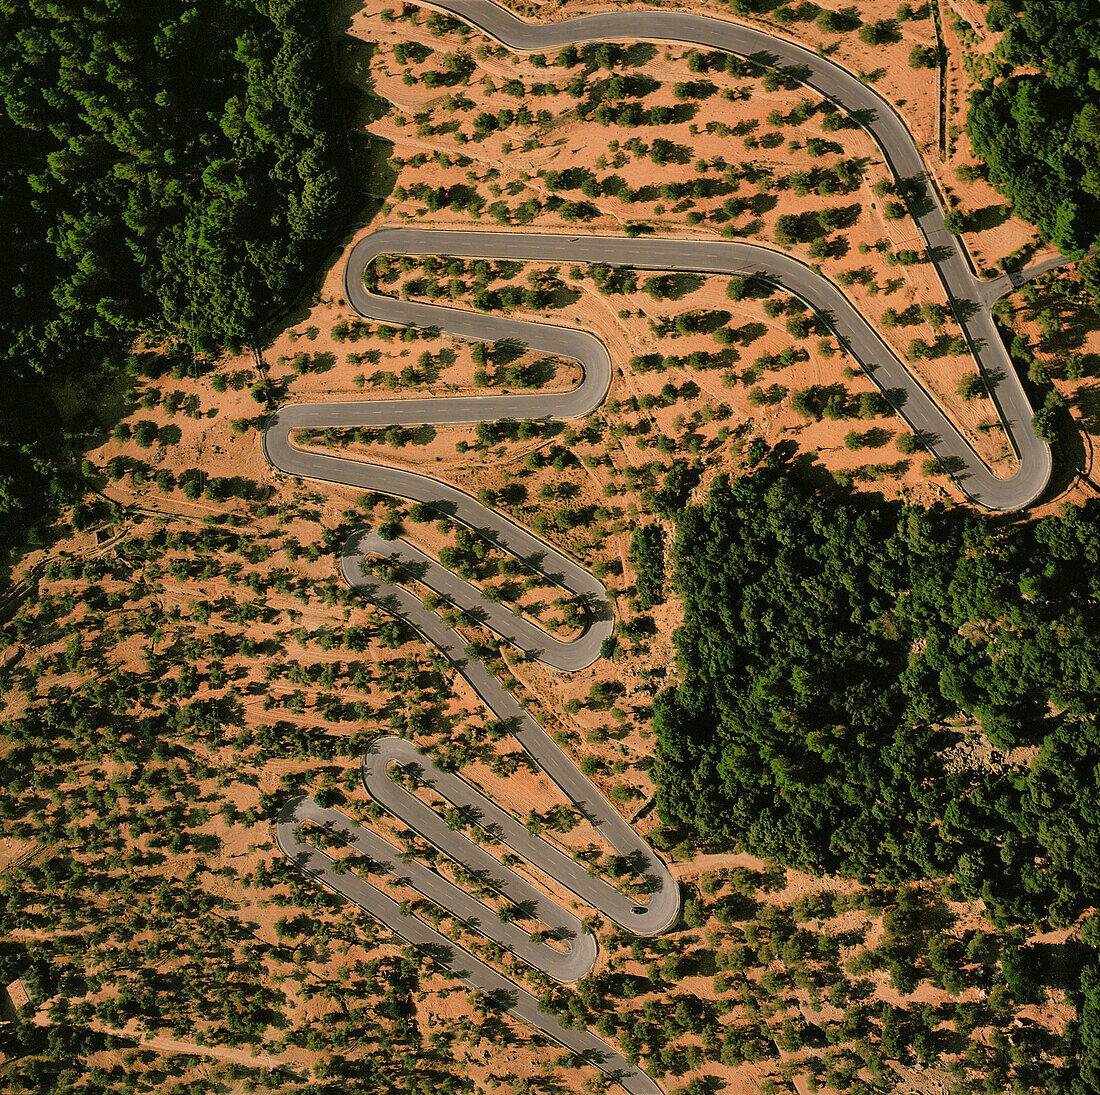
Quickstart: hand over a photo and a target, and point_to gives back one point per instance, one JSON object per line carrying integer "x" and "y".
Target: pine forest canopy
{"x": 1038, "y": 130}
{"x": 170, "y": 169}
{"x": 827, "y": 647}
{"x": 823, "y": 648}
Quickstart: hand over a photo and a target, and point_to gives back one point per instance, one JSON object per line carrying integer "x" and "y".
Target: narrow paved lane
{"x": 663, "y": 903}
{"x": 655, "y": 913}
{"x": 480, "y": 976}
{"x": 568, "y": 656}
{"x": 903, "y": 158}
{"x": 652, "y": 918}
{"x": 906, "y": 393}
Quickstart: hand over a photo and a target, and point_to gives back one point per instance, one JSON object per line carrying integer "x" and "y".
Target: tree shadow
{"x": 563, "y": 295}
{"x": 966, "y": 308}
{"x": 955, "y": 466}
{"x": 763, "y": 57}
{"x": 847, "y": 216}
{"x": 807, "y": 467}
{"x": 1086, "y": 402}
{"x": 897, "y": 397}
{"x": 1065, "y": 325}
{"x": 801, "y": 73}
{"x": 750, "y": 332}
{"x": 506, "y": 351}
{"x": 1059, "y": 964}
{"x": 991, "y": 216}
{"x": 639, "y": 54}
{"x": 762, "y": 203}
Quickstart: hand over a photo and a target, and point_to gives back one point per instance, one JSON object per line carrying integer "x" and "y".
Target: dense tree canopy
{"x": 168, "y": 169}
{"x": 823, "y": 648}
{"x": 1039, "y": 129}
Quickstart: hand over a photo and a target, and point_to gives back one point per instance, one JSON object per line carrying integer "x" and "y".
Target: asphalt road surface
{"x": 966, "y": 292}
{"x": 663, "y": 902}
{"x": 969, "y": 297}
{"x": 506, "y": 994}
{"x": 567, "y": 656}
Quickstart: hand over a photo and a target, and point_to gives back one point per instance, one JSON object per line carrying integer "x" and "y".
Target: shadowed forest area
{"x": 1038, "y": 130}
{"x": 169, "y": 172}
{"x": 826, "y": 652}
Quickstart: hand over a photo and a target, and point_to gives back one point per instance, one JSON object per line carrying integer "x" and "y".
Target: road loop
{"x": 970, "y": 301}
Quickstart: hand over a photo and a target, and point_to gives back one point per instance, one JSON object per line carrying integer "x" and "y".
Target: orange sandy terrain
{"x": 753, "y": 990}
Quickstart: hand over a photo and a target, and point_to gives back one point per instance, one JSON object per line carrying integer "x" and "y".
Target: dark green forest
{"x": 824, "y": 644}
{"x": 1039, "y": 131}
{"x": 170, "y": 170}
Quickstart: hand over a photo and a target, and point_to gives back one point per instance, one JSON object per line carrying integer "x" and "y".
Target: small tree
{"x": 923, "y": 57}
{"x": 836, "y": 22}
{"x": 883, "y": 33}
{"x": 804, "y": 403}
{"x": 971, "y": 387}
{"x": 145, "y": 433}
{"x": 798, "y": 327}
{"x": 955, "y": 222}
{"x": 1045, "y": 419}
{"x": 934, "y": 314}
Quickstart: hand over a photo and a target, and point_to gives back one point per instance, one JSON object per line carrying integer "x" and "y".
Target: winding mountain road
{"x": 971, "y": 300}
{"x": 479, "y": 975}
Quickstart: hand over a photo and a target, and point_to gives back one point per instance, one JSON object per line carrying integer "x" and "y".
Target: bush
{"x": 145, "y": 433}
{"x": 923, "y": 57}
{"x": 191, "y": 483}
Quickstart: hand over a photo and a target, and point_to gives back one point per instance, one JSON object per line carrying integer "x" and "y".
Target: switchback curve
{"x": 905, "y": 392}
{"x": 968, "y": 295}
{"x": 480, "y": 976}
